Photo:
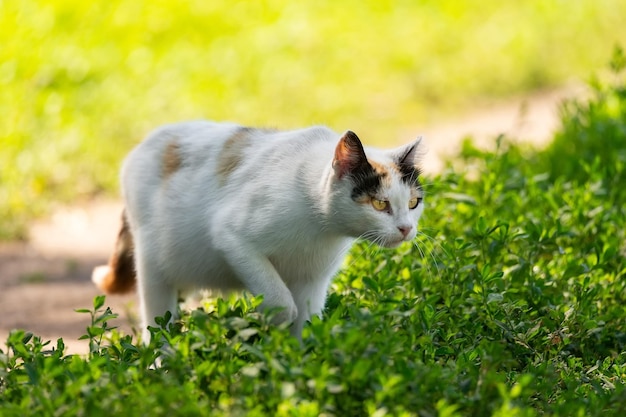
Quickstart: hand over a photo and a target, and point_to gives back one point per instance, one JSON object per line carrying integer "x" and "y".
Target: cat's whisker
{"x": 372, "y": 238}
{"x": 435, "y": 243}
{"x": 365, "y": 237}
{"x": 431, "y": 252}
{"x": 422, "y": 254}
{"x": 342, "y": 252}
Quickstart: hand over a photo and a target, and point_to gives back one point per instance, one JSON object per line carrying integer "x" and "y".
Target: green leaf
{"x": 98, "y": 302}
{"x": 494, "y": 297}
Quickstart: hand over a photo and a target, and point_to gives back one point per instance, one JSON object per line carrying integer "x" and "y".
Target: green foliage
{"x": 514, "y": 305}
{"x": 82, "y": 82}
{"x": 594, "y": 132}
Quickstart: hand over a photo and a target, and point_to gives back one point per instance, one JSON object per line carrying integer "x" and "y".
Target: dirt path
{"x": 44, "y": 281}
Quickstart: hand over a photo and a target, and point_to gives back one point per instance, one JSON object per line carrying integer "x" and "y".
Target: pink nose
{"x": 405, "y": 230}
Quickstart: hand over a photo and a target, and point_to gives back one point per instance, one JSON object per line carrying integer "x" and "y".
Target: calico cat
{"x": 227, "y": 207}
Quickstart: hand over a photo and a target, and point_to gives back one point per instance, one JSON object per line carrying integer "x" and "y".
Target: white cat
{"x": 226, "y": 207}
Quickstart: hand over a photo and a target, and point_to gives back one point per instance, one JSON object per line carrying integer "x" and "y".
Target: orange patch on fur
{"x": 363, "y": 199}
{"x": 383, "y": 171}
{"x": 232, "y": 153}
{"x": 394, "y": 167}
{"x": 171, "y": 159}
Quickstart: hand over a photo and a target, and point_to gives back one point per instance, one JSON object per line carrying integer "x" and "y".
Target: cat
{"x": 227, "y": 207}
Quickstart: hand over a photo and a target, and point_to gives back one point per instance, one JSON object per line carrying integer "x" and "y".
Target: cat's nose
{"x": 405, "y": 230}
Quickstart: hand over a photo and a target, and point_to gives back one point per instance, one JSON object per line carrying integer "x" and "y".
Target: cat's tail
{"x": 118, "y": 277}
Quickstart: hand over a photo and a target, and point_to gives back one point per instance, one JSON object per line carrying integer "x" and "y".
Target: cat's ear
{"x": 349, "y": 155}
{"x": 407, "y": 159}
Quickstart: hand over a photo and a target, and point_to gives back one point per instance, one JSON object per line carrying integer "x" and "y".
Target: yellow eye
{"x": 380, "y": 205}
{"x": 414, "y": 202}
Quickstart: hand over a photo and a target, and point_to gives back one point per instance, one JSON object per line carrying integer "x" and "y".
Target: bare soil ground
{"x": 44, "y": 280}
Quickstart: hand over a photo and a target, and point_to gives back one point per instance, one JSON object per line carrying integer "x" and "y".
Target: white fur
{"x": 278, "y": 225}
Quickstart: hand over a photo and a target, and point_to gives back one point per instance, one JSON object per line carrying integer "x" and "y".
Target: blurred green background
{"x": 82, "y": 82}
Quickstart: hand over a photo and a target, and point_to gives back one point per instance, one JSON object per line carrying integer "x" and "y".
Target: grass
{"x": 83, "y": 82}
{"x": 514, "y": 305}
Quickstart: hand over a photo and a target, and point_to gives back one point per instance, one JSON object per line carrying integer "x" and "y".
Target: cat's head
{"x": 377, "y": 194}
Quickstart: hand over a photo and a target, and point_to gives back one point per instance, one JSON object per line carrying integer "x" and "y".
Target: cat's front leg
{"x": 258, "y": 275}
{"x": 310, "y": 297}
{"x": 156, "y": 296}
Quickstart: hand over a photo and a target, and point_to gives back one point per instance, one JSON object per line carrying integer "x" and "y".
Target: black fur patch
{"x": 406, "y": 164}
{"x": 366, "y": 181}
{"x": 410, "y": 174}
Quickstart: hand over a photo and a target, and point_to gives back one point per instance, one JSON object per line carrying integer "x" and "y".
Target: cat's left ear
{"x": 349, "y": 155}
{"x": 407, "y": 158}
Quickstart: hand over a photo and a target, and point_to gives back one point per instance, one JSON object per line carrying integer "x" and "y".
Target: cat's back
{"x": 169, "y": 149}
{"x": 180, "y": 161}
{"x": 217, "y": 150}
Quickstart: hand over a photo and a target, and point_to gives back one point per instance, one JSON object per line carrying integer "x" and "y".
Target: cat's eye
{"x": 414, "y": 202}
{"x": 380, "y": 205}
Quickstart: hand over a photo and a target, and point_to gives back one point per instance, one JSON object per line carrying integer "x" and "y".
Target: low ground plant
{"x": 512, "y": 303}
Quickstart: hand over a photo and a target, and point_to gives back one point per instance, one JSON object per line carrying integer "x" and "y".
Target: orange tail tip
{"x": 100, "y": 275}
{"x": 106, "y": 279}
{"x": 118, "y": 276}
